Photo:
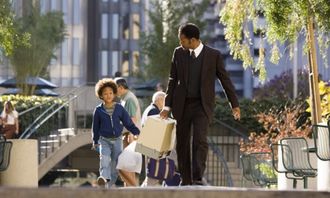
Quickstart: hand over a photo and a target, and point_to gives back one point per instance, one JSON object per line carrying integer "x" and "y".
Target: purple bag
{"x": 161, "y": 169}
{"x": 174, "y": 181}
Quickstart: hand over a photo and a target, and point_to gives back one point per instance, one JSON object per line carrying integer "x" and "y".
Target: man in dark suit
{"x": 190, "y": 96}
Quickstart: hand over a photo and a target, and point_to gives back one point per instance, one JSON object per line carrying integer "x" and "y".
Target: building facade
{"x": 102, "y": 38}
{"x": 114, "y": 28}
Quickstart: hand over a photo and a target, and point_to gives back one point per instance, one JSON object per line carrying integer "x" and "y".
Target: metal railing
{"x": 224, "y": 148}
{"x": 217, "y": 172}
{"x": 48, "y": 144}
{"x": 54, "y": 137}
{"x": 48, "y": 113}
{"x": 42, "y": 118}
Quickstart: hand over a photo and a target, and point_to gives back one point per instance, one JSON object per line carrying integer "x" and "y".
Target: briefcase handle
{"x": 158, "y": 118}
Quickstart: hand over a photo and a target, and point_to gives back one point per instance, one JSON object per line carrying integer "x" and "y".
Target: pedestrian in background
{"x": 130, "y": 102}
{"x": 153, "y": 109}
{"x": 9, "y": 120}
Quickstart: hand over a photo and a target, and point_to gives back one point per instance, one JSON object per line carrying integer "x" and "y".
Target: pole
{"x": 295, "y": 69}
{"x": 313, "y": 75}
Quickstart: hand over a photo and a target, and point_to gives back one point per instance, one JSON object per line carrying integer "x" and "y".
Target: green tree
{"x": 47, "y": 33}
{"x": 285, "y": 20}
{"x": 8, "y": 34}
{"x": 165, "y": 18}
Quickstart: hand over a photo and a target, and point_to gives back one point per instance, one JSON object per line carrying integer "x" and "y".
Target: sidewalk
{"x": 152, "y": 192}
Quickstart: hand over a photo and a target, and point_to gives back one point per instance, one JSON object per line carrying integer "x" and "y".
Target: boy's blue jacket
{"x": 111, "y": 126}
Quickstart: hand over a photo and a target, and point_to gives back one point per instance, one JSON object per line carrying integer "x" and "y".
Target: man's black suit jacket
{"x": 212, "y": 68}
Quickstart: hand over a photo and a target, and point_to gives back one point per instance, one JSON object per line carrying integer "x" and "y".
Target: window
{"x": 53, "y": 61}
{"x": 136, "y": 59}
{"x": 75, "y": 51}
{"x": 104, "y": 63}
{"x": 115, "y": 62}
{"x": 126, "y": 26}
{"x": 76, "y": 12}
{"x": 115, "y": 26}
{"x": 43, "y": 7}
{"x": 65, "y": 11}
{"x": 53, "y": 4}
{"x": 104, "y": 26}
{"x": 125, "y": 64}
{"x": 136, "y": 26}
{"x": 64, "y": 53}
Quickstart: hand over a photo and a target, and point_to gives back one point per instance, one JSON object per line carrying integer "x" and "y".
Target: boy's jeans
{"x": 110, "y": 148}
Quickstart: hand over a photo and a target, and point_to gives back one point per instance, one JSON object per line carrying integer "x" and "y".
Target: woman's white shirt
{"x": 11, "y": 116}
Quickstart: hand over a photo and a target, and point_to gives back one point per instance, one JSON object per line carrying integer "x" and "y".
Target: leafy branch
{"x": 285, "y": 20}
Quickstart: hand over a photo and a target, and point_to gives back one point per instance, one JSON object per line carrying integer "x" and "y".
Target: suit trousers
{"x": 194, "y": 123}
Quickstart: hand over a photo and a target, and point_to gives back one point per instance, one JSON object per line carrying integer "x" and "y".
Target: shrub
{"x": 290, "y": 121}
{"x": 249, "y": 108}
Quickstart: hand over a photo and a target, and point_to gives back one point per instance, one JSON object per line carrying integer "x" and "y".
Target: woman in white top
{"x": 9, "y": 117}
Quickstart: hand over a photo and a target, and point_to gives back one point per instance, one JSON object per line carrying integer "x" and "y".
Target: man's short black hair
{"x": 118, "y": 74}
{"x": 121, "y": 82}
{"x": 190, "y": 30}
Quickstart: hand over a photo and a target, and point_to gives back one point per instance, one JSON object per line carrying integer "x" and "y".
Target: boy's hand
{"x": 95, "y": 146}
{"x": 135, "y": 137}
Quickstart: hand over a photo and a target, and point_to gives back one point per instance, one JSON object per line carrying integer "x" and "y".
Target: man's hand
{"x": 236, "y": 113}
{"x": 135, "y": 137}
{"x": 164, "y": 114}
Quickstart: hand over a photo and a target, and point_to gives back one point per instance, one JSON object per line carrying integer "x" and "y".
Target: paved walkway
{"x": 156, "y": 192}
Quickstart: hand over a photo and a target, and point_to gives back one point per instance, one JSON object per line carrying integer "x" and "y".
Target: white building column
{"x": 323, "y": 178}
{"x": 23, "y": 166}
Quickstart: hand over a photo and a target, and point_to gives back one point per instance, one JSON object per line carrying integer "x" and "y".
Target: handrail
{"x": 36, "y": 120}
{"x": 54, "y": 98}
{"x": 31, "y": 131}
{"x": 217, "y": 121}
{"x": 220, "y": 156}
{"x": 32, "y": 108}
{"x": 219, "y": 149}
{"x": 36, "y": 124}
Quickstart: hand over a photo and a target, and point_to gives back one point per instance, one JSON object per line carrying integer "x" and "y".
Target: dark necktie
{"x": 193, "y": 55}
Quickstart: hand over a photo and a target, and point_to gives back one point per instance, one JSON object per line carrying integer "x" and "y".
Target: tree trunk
{"x": 313, "y": 75}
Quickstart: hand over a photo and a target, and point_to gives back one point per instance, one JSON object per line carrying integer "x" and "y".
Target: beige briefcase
{"x": 157, "y": 137}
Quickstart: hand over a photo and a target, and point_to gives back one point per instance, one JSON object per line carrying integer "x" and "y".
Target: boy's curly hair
{"x": 101, "y": 84}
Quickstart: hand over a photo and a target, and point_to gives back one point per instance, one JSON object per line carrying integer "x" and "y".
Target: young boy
{"x": 109, "y": 118}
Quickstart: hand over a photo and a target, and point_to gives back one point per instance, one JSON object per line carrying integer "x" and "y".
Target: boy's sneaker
{"x": 101, "y": 182}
